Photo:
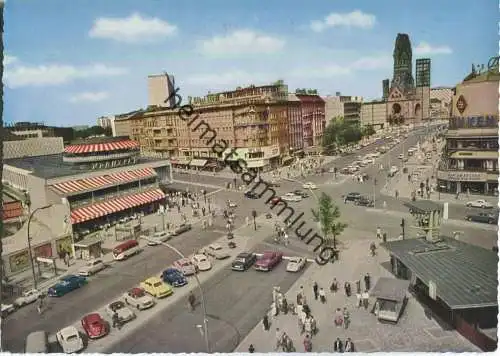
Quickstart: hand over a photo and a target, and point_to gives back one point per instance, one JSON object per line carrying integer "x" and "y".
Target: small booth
{"x": 89, "y": 247}
{"x": 391, "y": 298}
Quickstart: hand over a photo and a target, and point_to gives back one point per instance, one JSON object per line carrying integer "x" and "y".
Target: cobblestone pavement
{"x": 414, "y": 332}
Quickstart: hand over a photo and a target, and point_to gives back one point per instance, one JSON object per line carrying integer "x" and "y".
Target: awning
{"x": 88, "y": 241}
{"x": 475, "y": 155}
{"x": 111, "y": 206}
{"x": 180, "y": 160}
{"x": 255, "y": 164}
{"x": 95, "y": 183}
{"x": 198, "y": 162}
{"x": 101, "y": 147}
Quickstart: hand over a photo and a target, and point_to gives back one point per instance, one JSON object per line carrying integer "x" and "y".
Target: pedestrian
{"x": 349, "y": 345}
{"x": 396, "y": 193}
{"x": 379, "y": 232}
{"x": 306, "y": 309}
{"x": 322, "y": 295}
{"x": 265, "y": 323}
{"x": 367, "y": 281}
{"x": 191, "y": 301}
{"x": 300, "y": 296}
{"x": 274, "y": 309}
{"x": 278, "y": 338}
{"x": 358, "y": 299}
{"x": 203, "y": 211}
{"x": 347, "y": 317}
{"x": 40, "y": 305}
{"x": 307, "y": 344}
{"x": 308, "y": 325}
{"x": 337, "y": 346}
{"x": 358, "y": 286}
{"x": 315, "y": 290}
{"x": 365, "y": 296}
{"x": 285, "y": 306}
{"x": 251, "y": 349}
{"x": 247, "y": 221}
{"x": 334, "y": 286}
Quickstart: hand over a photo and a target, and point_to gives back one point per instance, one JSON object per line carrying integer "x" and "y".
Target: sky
{"x": 69, "y": 62}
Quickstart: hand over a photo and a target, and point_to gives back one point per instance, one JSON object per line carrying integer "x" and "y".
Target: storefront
{"x": 89, "y": 248}
{"x": 467, "y": 182}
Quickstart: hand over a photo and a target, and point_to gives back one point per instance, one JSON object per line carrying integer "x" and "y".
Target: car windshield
{"x": 201, "y": 259}
{"x": 71, "y": 338}
{"x": 117, "y": 306}
{"x": 294, "y": 260}
{"x": 157, "y": 284}
{"x": 186, "y": 263}
{"x": 138, "y": 293}
{"x": 240, "y": 259}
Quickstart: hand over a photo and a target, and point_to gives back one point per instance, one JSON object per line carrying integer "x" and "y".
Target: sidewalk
{"x": 414, "y": 332}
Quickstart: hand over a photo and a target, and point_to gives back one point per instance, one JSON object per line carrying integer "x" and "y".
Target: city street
{"x": 236, "y": 301}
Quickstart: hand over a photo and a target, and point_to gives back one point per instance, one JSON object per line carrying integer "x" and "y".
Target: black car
{"x": 243, "y": 261}
{"x": 483, "y": 218}
{"x": 351, "y": 197}
{"x": 251, "y": 195}
{"x": 364, "y": 201}
{"x": 300, "y": 193}
{"x": 181, "y": 229}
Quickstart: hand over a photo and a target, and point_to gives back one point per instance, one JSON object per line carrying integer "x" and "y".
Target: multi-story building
{"x": 295, "y": 129}
{"x": 440, "y": 103}
{"x": 107, "y": 122}
{"x": 88, "y": 185}
{"x": 160, "y": 87}
{"x": 470, "y": 160}
{"x": 348, "y": 107}
{"x": 313, "y": 121}
{"x": 333, "y": 107}
{"x": 30, "y": 130}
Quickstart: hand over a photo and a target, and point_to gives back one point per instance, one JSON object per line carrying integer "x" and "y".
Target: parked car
{"x": 352, "y": 196}
{"x": 268, "y": 261}
{"x": 120, "y": 308}
{"x": 201, "y": 262}
{"x": 156, "y": 287}
{"x": 232, "y": 204}
{"x": 185, "y": 266}
{"x": 216, "y": 251}
{"x": 27, "y": 297}
{"x": 94, "y": 326}
{"x": 158, "y": 238}
{"x": 291, "y": 197}
{"x": 182, "y": 228}
{"x": 300, "y": 193}
{"x": 309, "y": 185}
{"x": 483, "y": 218}
{"x": 67, "y": 284}
{"x": 251, "y": 195}
{"x": 275, "y": 200}
{"x": 479, "y": 203}
{"x": 70, "y": 340}
{"x": 364, "y": 201}
{"x": 274, "y": 184}
{"x": 295, "y": 264}
{"x": 92, "y": 267}
{"x": 7, "y": 309}
{"x": 243, "y": 261}
{"x": 138, "y": 298}
{"x": 174, "y": 277}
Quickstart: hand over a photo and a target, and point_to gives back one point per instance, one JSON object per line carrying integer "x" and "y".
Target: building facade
{"x": 295, "y": 129}
{"x": 470, "y": 160}
{"x": 107, "y": 122}
{"x": 313, "y": 121}
{"x": 440, "y": 103}
{"x": 407, "y": 100}
{"x": 160, "y": 87}
{"x": 87, "y": 186}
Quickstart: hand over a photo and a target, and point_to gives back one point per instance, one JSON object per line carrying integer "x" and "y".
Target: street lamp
{"x": 29, "y": 241}
{"x": 203, "y": 304}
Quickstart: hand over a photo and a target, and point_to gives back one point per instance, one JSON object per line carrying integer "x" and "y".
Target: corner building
{"x": 470, "y": 160}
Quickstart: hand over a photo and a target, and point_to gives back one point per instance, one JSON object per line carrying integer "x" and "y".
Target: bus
{"x": 125, "y": 250}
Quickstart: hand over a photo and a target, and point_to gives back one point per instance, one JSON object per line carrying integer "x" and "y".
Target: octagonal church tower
{"x": 403, "y": 68}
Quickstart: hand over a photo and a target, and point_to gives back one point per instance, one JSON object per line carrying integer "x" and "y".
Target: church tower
{"x": 402, "y": 76}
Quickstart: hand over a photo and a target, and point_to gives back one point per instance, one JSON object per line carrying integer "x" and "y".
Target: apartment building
{"x": 440, "y": 103}
{"x": 470, "y": 160}
{"x": 348, "y": 107}
{"x": 295, "y": 129}
{"x": 313, "y": 121}
{"x": 160, "y": 86}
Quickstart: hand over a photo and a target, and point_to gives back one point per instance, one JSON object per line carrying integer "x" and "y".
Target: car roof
{"x": 92, "y": 317}
{"x": 153, "y": 279}
{"x": 244, "y": 254}
{"x": 215, "y": 246}
{"x": 200, "y": 256}
{"x": 182, "y": 260}
{"x": 68, "y": 331}
{"x": 136, "y": 290}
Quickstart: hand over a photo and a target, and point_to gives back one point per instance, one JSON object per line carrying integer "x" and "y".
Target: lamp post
{"x": 29, "y": 242}
{"x": 203, "y": 303}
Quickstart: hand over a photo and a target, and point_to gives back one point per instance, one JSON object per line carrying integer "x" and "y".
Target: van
{"x": 37, "y": 343}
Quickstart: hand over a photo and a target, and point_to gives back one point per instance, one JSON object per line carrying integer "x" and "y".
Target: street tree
{"x": 328, "y": 214}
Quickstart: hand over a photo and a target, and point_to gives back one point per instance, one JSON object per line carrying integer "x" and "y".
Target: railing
{"x": 98, "y": 158}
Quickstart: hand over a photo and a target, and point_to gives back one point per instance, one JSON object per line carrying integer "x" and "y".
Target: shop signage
{"x": 467, "y": 176}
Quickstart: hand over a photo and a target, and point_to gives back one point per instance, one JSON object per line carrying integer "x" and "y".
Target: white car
{"x": 480, "y": 203}
{"x": 185, "y": 266}
{"x": 309, "y": 185}
{"x": 124, "y": 313}
{"x": 369, "y": 160}
{"x": 202, "y": 262}
{"x": 138, "y": 298}
{"x": 375, "y": 154}
{"x": 27, "y": 297}
{"x": 7, "y": 309}
{"x": 158, "y": 237}
{"x": 70, "y": 340}
{"x": 232, "y": 204}
{"x": 216, "y": 251}
{"x": 295, "y": 264}
{"x": 291, "y": 197}
{"x": 92, "y": 267}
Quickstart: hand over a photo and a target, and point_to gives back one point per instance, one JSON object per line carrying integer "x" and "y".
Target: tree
{"x": 327, "y": 215}
{"x": 368, "y": 131}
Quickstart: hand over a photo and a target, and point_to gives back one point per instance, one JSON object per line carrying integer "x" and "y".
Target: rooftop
{"x": 465, "y": 275}
{"x": 52, "y": 166}
{"x": 423, "y": 206}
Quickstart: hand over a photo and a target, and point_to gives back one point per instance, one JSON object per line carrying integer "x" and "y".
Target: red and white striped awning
{"x": 101, "y": 147}
{"x": 95, "y": 183}
{"x": 98, "y": 210}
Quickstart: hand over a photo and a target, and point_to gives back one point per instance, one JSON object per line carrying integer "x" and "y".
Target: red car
{"x": 94, "y": 325}
{"x": 268, "y": 261}
{"x": 275, "y": 201}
